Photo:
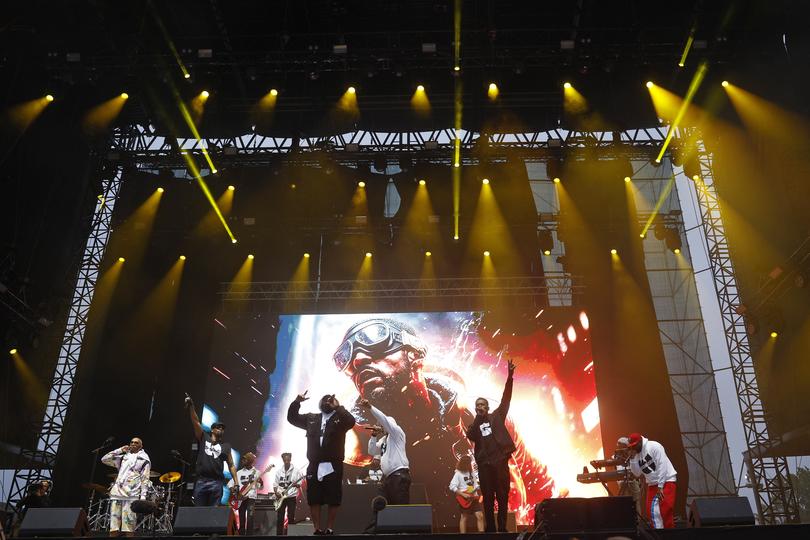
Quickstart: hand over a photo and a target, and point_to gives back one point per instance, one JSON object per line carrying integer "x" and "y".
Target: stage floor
{"x": 776, "y": 532}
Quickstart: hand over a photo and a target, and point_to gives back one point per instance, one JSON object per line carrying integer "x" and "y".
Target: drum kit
{"x": 155, "y": 512}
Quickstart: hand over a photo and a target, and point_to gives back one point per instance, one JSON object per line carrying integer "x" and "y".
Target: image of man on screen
{"x": 385, "y": 360}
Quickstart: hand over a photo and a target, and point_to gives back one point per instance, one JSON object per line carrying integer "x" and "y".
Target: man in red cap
{"x": 650, "y": 459}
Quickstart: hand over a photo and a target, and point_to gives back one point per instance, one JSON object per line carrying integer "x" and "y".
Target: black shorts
{"x": 327, "y": 491}
{"x": 474, "y": 507}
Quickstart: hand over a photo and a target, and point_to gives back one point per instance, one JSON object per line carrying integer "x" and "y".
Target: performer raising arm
{"x": 388, "y": 442}
{"x": 212, "y": 454}
{"x": 326, "y": 441}
{"x": 493, "y": 449}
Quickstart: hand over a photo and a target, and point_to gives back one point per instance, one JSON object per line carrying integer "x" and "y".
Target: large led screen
{"x": 425, "y": 370}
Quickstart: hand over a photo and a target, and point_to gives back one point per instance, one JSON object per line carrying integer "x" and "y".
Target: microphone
{"x": 109, "y": 440}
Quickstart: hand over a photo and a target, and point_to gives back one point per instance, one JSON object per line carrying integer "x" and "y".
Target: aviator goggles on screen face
{"x": 377, "y": 339}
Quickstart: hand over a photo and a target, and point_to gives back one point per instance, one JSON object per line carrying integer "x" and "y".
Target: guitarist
{"x": 244, "y": 490}
{"x": 287, "y": 484}
{"x": 468, "y": 494}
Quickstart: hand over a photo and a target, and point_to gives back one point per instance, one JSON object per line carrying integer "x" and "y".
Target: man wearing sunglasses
{"x": 385, "y": 359}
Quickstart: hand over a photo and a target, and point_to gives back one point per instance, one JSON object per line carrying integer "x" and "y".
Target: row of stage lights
{"x": 493, "y": 91}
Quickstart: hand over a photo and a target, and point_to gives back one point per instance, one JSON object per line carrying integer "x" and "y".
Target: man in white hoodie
{"x": 131, "y": 484}
{"x": 650, "y": 459}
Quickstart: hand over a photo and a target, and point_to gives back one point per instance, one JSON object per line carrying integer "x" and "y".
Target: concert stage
{"x": 775, "y": 532}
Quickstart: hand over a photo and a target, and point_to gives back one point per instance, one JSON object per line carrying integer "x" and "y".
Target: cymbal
{"x": 169, "y": 477}
{"x": 95, "y": 487}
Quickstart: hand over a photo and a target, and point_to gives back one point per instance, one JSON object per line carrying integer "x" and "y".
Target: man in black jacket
{"x": 493, "y": 449}
{"x": 326, "y": 440}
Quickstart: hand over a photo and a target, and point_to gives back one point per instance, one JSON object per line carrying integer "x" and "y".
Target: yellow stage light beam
{"x": 208, "y": 224}
{"x": 419, "y": 100}
{"x": 573, "y": 101}
{"x": 98, "y": 119}
{"x": 687, "y": 48}
{"x": 268, "y": 101}
{"x": 427, "y": 278}
{"x": 660, "y": 202}
{"x": 193, "y": 127}
{"x": 156, "y": 313}
{"x": 697, "y": 79}
{"x": 492, "y": 91}
{"x": 302, "y": 270}
{"x": 12, "y": 352}
{"x": 169, "y": 42}
{"x": 299, "y": 282}
{"x": 197, "y": 106}
{"x": 33, "y": 390}
{"x": 348, "y": 102}
{"x": 136, "y": 230}
{"x": 22, "y": 115}
{"x": 195, "y": 172}
{"x": 103, "y": 294}
{"x": 488, "y": 266}
{"x": 457, "y": 112}
{"x": 764, "y": 117}
{"x": 240, "y": 283}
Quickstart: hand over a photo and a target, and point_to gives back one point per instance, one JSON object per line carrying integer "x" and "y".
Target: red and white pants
{"x": 660, "y": 510}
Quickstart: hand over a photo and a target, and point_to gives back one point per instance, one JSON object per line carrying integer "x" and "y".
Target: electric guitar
{"x": 291, "y": 491}
{"x": 238, "y": 495}
{"x": 466, "y": 502}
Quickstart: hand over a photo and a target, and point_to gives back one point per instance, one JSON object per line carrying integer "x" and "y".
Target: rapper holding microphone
{"x": 130, "y": 485}
{"x": 326, "y": 441}
{"x": 493, "y": 449}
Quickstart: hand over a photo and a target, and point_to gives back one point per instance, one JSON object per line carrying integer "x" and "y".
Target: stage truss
{"x": 140, "y": 147}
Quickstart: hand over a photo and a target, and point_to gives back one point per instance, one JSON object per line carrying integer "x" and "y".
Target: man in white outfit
{"x": 649, "y": 458}
{"x": 388, "y": 441}
{"x": 131, "y": 484}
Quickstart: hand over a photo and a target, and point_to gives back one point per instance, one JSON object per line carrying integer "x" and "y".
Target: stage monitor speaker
{"x": 405, "y": 518}
{"x": 576, "y": 516}
{"x": 305, "y": 528}
{"x": 204, "y": 520}
{"x": 54, "y": 522}
{"x": 720, "y": 511}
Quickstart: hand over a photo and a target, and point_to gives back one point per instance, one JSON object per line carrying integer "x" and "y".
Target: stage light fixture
{"x": 547, "y": 252}
{"x": 368, "y": 254}
{"x": 306, "y": 255}
{"x": 233, "y": 240}
{"x": 351, "y": 90}
{"x": 627, "y": 179}
{"x": 676, "y": 251}
{"x": 292, "y": 186}
{"x": 124, "y": 95}
{"x": 361, "y": 184}
{"x": 160, "y": 190}
{"x": 492, "y": 91}
{"x": 182, "y": 257}
{"x": 231, "y": 188}
{"x": 420, "y": 88}
{"x": 456, "y": 68}
{"x": 49, "y": 98}
{"x": 567, "y": 85}
{"x": 556, "y": 180}
{"x": 455, "y": 237}
{"x": 485, "y": 181}
{"x": 696, "y": 178}
{"x": 428, "y": 254}
{"x": 724, "y": 84}
{"x": 456, "y": 164}
{"x": 422, "y": 182}
{"x": 642, "y": 236}
{"x": 251, "y": 256}
{"x": 273, "y": 92}
{"x": 486, "y": 253}
{"x": 12, "y": 352}
{"x": 613, "y": 251}
{"x": 650, "y": 84}
{"x": 121, "y": 259}
{"x": 774, "y": 334}
{"x": 205, "y": 94}
{"x": 186, "y": 75}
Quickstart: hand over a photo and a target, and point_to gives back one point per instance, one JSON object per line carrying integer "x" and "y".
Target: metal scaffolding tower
{"x": 37, "y": 463}
{"x": 775, "y": 500}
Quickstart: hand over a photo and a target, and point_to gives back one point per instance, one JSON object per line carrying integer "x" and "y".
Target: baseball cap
{"x": 634, "y": 439}
{"x": 218, "y": 425}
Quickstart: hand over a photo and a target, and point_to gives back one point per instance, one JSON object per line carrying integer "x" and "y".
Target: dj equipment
{"x": 54, "y": 522}
{"x": 601, "y": 476}
{"x": 720, "y": 511}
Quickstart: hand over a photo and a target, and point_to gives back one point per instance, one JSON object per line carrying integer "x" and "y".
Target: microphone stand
{"x": 180, "y": 492}
{"x": 95, "y": 453}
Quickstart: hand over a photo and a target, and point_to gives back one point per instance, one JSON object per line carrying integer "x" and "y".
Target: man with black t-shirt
{"x": 212, "y": 455}
{"x": 493, "y": 449}
{"x": 326, "y": 442}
